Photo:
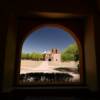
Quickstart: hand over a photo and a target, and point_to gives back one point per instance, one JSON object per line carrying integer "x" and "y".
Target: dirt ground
{"x": 44, "y": 66}
{"x": 29, "y": 66}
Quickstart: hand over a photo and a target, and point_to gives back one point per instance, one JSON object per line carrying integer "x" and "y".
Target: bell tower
{"x": 56, "y": 56}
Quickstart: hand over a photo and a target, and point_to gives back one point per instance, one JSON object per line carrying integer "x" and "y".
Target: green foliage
{"x": 32, "y": 56}
{"x": 23, "y": 55}
{"x": 70, "y": 53}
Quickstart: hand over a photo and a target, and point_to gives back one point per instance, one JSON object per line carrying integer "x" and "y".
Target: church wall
{"x": 56, "y": 57}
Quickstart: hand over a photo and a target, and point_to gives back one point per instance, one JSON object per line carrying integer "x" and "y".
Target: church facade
{"x": 53, "y": 55}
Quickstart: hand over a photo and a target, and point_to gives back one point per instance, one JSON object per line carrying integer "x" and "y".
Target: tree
{"x": 32, "y": 56}
{"x": 23, "y": 56}
{"x": 37, "y": 56}
{"x": 70, "y": 53}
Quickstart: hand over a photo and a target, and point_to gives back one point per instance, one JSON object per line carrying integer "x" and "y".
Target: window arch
{"x": 75, "y": 38}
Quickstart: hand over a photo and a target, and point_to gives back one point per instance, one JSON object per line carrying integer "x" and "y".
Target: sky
{"x": 46, "y": 38}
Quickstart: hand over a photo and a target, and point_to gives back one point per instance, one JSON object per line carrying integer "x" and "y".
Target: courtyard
{"x": 30, "y": 66}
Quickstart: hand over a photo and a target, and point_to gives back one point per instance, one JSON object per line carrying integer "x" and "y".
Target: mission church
{"x": 52, "y": 55}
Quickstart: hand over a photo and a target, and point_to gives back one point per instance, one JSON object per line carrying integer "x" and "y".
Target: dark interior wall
{"x": 8, "y": 44}
{"x": 90, "y": 55}
{"x": 78, "y": 6}
{"x": 3, "y": 32}
{"x": 97, "y": 46}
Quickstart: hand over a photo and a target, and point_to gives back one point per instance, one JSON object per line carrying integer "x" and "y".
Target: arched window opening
{"x": 50, "y": 55}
